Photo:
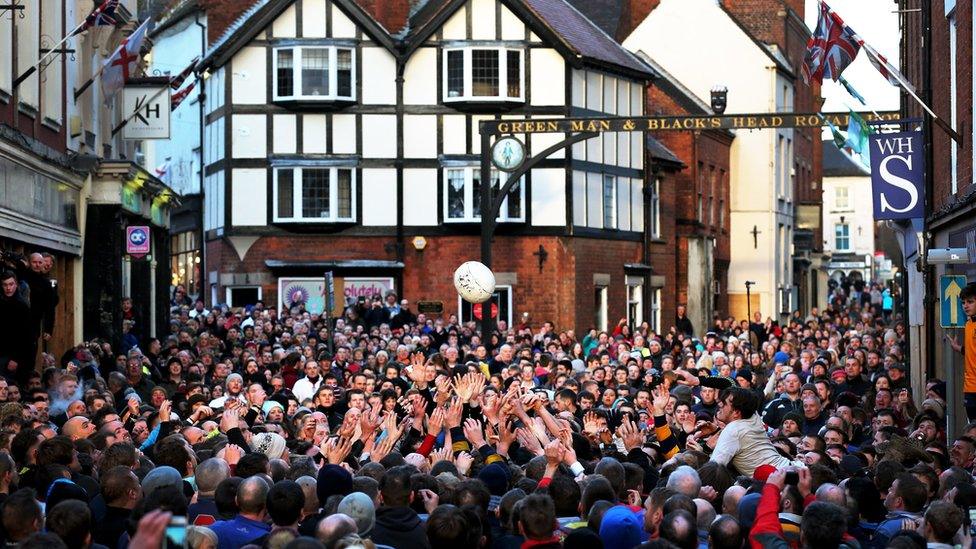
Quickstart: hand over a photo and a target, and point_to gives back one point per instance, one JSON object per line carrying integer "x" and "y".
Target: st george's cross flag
{"x": 119, "y": 68}
{"x": 831, "y": 49}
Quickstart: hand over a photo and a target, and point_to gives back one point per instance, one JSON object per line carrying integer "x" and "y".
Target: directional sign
{"x": 949, "y": 289}
{"x": 137, "y": 240}
{"x": 146, "y": 110}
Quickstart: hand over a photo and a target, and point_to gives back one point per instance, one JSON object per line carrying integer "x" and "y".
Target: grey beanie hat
{"x": 360, "y": 507}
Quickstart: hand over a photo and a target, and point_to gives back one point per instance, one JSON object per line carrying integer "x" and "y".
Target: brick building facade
{"x": 937, "y": 57}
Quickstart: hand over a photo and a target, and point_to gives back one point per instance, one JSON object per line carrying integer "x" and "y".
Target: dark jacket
{"x": 110, "y": 528}
{"x": 15, "y": 332}
{"x": 399, "y": 527}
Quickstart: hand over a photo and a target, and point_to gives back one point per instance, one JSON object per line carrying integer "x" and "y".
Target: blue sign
{"x": 897, "y": 175}
{"x": 952, "y": 315}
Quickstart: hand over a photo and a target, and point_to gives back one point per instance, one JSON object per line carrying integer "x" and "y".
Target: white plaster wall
{"x": 284, "y": 25}
{"x": 250, "y": 136}
{"x": 454, "y": 138}
{"x": 548, "y": 198}
{"x": 342, "y": 26}
{"x": 419, "y": 81}
{"x": 249, "y": 197}
{"x": 249, "y": 78}
{"x": 344, "y": 134}
{"x": 548, "y": 79}
{"x": 419, "y": 197}
{"x": 482, "y": 19}
{"x": 379, "y": 197}
{"x": 314, "y": 134}
{"x": 512, "y": 26}
{"x": 285, "y": 130}
{"x": 420, "y": 136}
{"x": 379, "y": 136}
{"x": 379, "y": 76}
{"x": 313, "y": 19}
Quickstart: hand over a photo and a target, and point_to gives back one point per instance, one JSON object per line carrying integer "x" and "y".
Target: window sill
{"x": 484, "y": 104}
{"x": 478, "y": 221}
{"x": 307, "y": 103}
{"x": 54, "y": 125}
{"x": 29, "y": 110}
{"x": 314, "y": 221}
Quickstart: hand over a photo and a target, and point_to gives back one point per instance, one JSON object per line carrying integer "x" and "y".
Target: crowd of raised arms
{"x": 387, "y": 428}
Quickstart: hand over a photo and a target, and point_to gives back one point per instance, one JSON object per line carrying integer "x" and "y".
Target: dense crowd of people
{"x": 274, "y": 429}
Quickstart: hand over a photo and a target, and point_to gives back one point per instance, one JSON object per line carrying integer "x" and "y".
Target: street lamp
{"x": 749, "y": 285}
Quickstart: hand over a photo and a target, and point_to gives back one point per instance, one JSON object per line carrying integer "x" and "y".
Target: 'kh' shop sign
{"x": 897, "y": 175}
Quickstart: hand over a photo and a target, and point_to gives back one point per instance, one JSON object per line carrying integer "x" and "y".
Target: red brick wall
{"x": 392, "y": 14}
{"x": 632, "y": 13}
{"x": 763, "y": 18}
{"x": 222, "y": 14}
{"x": 562, "y": 291}
{"x": 711, "y": 149}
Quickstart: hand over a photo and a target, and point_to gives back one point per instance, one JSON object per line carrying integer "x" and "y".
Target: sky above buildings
{"x": 877, "y": 23}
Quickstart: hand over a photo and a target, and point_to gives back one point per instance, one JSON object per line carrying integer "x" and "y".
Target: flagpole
{"x": 935, "y": 118}
{"x": 33, "y": 68}
{"x": 88, "y": 84}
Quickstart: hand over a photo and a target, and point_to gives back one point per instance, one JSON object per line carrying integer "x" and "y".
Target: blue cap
{"x": 620, "y": 528}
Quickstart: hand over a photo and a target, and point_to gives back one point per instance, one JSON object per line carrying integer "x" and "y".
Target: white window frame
{"x": 297, "y": 52}
{"x": 227, "y": 293}
{"x": 468, "y": 94}
{"x": 635, "y": 297}
{"x": 840, "y": 204}
{"x": 601, "y": 316}
{"x": 471, "y": 216}
{"x": 656, "y": 208}
{"x": 333, "y": 195}
{"x": 846, "y": 235}
{"x": 655, "y": 320}
{"x": 609, "y": 182}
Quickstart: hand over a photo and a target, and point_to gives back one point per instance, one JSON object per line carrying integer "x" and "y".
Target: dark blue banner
{"x": 897, "y": 175}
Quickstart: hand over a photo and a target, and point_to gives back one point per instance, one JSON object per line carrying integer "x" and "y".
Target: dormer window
{"x": 314, "y": 74}
{"x": 484, "y": 75}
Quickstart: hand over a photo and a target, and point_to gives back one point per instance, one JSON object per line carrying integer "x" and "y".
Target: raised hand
{"x": 443, "y": 384}
{"x": 660, "y": 400}
{"x": 463, "y": 462}
{"x": 453, "y": 417}
{"x": 417, "y": 371}
{"x": 336, "y": 449}
{"x": 554, "y": 452}
{"x": 436, "y": 421}
{"x": 443, "y": 454}
{"x": 473, "y": 432}
{"x": 591, "y": 424}
{"x": 429, "y": 498}
{"x": 231, "y": 453}
{"x": 528, "y": 441}
{"x": 382, "y": 449}
{"x": 369, "y": 422}
{"x": 630, "y": 434}
{"x": 506, "y": 436}
{"x": 477, "y": 385}
{"x": 462, "y": 385}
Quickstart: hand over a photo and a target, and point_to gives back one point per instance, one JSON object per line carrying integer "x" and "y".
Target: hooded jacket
{"x": 399, "y": 527}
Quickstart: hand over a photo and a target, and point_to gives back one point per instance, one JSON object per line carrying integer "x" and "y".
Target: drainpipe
{"x": 203, "y": 282}
{"x": 401, "y": 68}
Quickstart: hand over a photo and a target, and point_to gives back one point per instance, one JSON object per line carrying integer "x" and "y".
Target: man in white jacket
{"x": 305, "y": 387}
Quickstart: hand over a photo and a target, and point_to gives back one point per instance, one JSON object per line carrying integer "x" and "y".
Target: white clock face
{"x": 508, "y": 154}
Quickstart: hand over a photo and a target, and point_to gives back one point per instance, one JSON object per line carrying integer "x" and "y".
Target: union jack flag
{"x": 102, "y": 15}
{"x": 179, "y": 96}
{"x": 176, "y": 81}
{"x": 831, "y": 49}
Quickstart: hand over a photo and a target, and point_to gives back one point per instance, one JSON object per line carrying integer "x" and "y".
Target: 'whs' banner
{"x": 897, "y": 175}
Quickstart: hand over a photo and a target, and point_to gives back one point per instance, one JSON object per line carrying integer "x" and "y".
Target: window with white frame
{"x": 314, "y": 73}
{"x": 242, "y": 296}
{"x": 635, "y": 300}
{"x": 462, "y": 196}
{"x": 600, "y": 307}
{"x": 609, "y": 202}
{"x": 483, "y": 74}
{"x": 656, "y": 208}
{"x": 655, "y": 320}
{"x": 315, "y": 195}
{"x": 842, "y": 237}
{"x": 842, "y": 199}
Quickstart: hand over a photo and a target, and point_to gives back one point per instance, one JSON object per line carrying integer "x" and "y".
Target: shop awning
{"x": 277, "y": 264}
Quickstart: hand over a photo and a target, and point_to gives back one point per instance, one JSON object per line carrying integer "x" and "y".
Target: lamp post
{"x": 749, "y": 285}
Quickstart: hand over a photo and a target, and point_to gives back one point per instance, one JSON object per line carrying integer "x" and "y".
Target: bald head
{"x": 730, "y": 501}
{"x": 251, "y": 495}
{"x": 209, "y": 474}
{"x": 335, "y": 527}
{"x": 78, "y": 427}
{"x": 831, "y": 493}
{"x": 706, "y": 513}
{"x": 308, "y": 485}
